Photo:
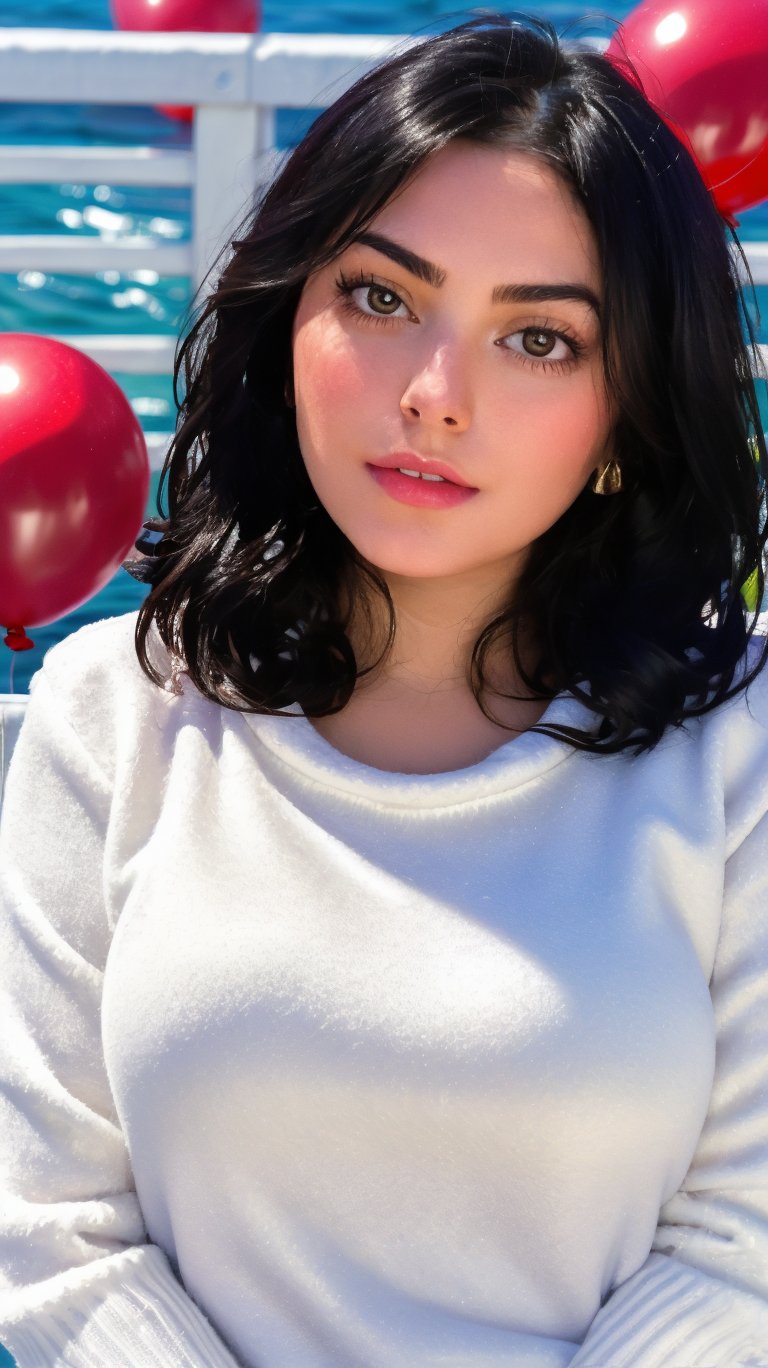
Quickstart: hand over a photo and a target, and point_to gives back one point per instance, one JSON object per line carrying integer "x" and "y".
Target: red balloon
{"x": 704, "y": 65}
{"x": 186, "y": 16}
{"x": 74, "y": 479}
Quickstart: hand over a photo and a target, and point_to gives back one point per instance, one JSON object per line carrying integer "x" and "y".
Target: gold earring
{"x": 608, "y": 481}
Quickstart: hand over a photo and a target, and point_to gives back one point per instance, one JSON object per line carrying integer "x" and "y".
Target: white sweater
{"x": 309, "y": 1065}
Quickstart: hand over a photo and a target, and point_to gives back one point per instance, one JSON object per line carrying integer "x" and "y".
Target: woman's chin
{"x": 408, "y": 563}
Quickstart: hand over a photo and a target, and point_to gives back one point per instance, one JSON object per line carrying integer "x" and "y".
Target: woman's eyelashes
{"x": 347, "y": 288}
{"x": 570, "y": 349}
{"x": 553, "y": 349}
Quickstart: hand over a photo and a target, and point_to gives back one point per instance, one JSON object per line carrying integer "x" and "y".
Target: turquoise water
{"x": 138, "y": 301}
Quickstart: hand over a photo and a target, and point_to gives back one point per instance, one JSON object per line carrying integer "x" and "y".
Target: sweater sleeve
{"x": 80, "y": 1284}
{"x": 701, "y": 1297}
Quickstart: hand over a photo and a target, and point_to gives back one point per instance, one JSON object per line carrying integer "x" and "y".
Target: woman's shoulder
{"x": 87, "y": 644}
{"x": 100, "y": 654}
{"x": 94, "y": 680}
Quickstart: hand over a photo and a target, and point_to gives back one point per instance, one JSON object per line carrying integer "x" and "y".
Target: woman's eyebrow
{"x": 502, "y": 294}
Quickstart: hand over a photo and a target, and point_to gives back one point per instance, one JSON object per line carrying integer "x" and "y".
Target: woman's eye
{"x": 541, "y": 344}
{"x": 382, "y": 301}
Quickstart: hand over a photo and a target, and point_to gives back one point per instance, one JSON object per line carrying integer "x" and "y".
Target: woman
{"x": 391, "y": 988}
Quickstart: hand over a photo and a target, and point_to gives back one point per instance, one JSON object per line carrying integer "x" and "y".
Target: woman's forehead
{"x": 474, "y": 205}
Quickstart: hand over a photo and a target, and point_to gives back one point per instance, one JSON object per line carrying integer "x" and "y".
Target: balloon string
{"x": 16, "y": 640}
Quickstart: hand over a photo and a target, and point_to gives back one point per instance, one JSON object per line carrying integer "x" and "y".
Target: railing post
{"x": 232, "y": 147}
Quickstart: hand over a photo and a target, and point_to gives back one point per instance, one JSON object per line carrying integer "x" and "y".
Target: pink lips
{"x": 408, "y": 460}
{"x": 445, "y": 493}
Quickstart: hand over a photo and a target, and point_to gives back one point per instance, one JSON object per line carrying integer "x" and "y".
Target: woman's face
{"x": 399, "y": 363}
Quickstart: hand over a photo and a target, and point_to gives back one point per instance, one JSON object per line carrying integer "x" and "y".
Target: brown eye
{"x": 538, "y": 343}
{"x": 365, "y": 297}
{"x": 545, "y": 345}
{"x": 387, "y": 298}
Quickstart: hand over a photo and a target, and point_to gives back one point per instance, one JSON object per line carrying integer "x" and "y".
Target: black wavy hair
{"x": 636, "y": 598}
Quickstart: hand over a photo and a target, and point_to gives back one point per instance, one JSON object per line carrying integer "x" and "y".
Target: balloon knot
{"x": 18, "y": 640}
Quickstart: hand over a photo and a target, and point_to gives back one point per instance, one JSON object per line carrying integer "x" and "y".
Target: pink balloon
{"x": 704, "y": 65}
{"x": 186, "y": 16}
{"x": 74, "y": 479}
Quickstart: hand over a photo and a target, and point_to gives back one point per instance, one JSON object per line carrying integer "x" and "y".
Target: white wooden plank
{"x": 110, "y": 67}
{"x": 133, "y": 354}
{"x": 266, "y": 154}
{"x": 224, "y": 183}
{"x": 83, "y": 255}
{"x": 757, "y": 256}
{"x": 225, "y": 187}
{"x": 157, "y": 447}
{"x": 12, "y": 712}
{"x": 311, "y": 70}
{"x": 33, "y": 165}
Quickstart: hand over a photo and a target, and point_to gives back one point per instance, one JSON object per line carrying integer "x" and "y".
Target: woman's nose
{"x": 437, "y": 395}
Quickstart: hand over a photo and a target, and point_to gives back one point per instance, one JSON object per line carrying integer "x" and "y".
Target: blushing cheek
{"x": 563, "y": 443}
{"x": 577, "y": 432}
{"x": 336, "y": 381}
{"x": 577, "y": 438}
{"x": 327, "y": 369}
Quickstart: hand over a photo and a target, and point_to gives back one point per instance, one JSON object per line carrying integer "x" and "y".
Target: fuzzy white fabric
{"x": 309, "y": 1065}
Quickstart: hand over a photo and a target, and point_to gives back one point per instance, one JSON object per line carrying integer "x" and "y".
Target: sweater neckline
{"x": 296, "y": 744}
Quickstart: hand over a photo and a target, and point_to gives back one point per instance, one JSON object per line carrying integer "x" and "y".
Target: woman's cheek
{"x": 329, "y": 409}
{"x": 565, "y": 438}
{"x": 328, "y": 371}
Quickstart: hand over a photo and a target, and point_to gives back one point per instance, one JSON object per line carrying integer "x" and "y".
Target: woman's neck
{"x": 437, "y": 622}
{"x": 416, "y": 712}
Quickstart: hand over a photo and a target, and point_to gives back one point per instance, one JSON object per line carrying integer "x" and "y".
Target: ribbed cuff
{"x": 133, "y": 1310}
{"x": 670, "y": 1315}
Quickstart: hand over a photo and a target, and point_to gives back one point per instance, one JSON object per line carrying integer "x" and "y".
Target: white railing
{"x": 12, "y": 710}
{"x": 234, "y": 83}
